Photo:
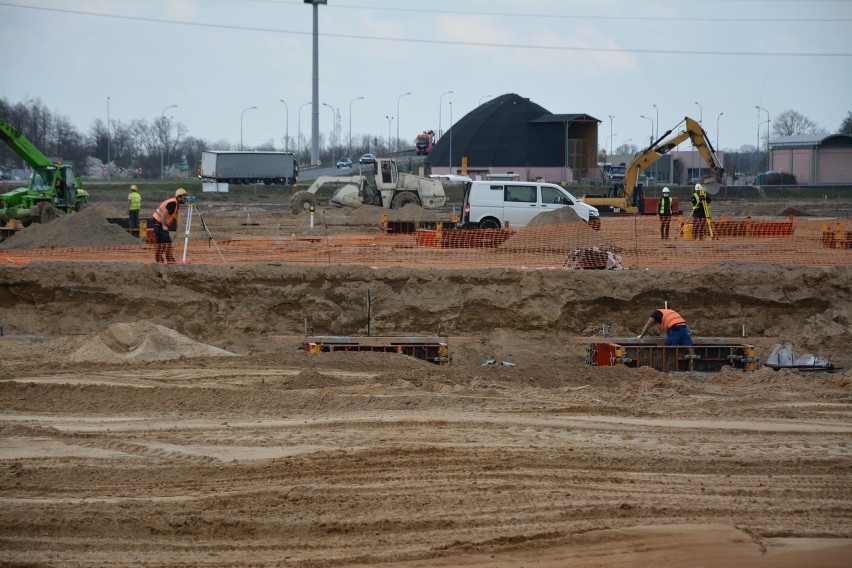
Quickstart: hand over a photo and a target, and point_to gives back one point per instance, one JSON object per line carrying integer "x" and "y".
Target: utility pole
{"x": 315, "y": 97}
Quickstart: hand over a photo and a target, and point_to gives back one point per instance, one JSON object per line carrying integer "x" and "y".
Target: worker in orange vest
{"x": 165, "y": 219}
{"x": 671, "y": 322}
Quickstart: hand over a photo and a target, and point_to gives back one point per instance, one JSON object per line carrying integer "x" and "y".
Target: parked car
{"x": 367, "y": 159}
{"x": 344, "y": 163}
{"x": 489, "y": 204}
{"x": 775, "y": 178}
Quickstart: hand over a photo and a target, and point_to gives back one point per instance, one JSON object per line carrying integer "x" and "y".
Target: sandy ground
{"x": 163, "y": 416}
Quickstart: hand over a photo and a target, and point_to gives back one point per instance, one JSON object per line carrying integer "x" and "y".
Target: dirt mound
{"x": 126, "y": 342}
{"x": 555, "y": 217}
{"x": 86, "y": 228}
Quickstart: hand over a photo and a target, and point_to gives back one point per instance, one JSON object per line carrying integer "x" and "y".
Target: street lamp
{"x": 440, "y": 104}
{"x": 242, "y": 114}
{"x": 451, "y": 138}
{"x": 109, "y": 159}
{"x": 651, "y": 120}
{"x": 610, "y": 133}
{"x": 759, "y": 108}
{"x": 609, "y": 140}
{"x": 163, "y": 116}
{"x": 350, "y": 122}
{"x": 717, "y": 129}
{"x": 390, "y": 119}
{"x": 482, "y": 99}
{"x": 700, "y": 113}
{"x": 287, "y": 131}
{"x": 299, "y": 122}
{"x": 397, "y": 119}
{"x": 656, "y": 137}
{"x": 331, "y": 138}
{"x": 657, "y": 128}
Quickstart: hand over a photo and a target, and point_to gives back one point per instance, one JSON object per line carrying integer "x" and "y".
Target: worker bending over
{"x": 165, "y": 219}
{"x": 674, "y": 326}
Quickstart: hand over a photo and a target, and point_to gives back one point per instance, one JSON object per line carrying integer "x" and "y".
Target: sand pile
{"x": 125, "y": 342}
{"x": 555, "y": 217}
{"x": 86, "y": 228}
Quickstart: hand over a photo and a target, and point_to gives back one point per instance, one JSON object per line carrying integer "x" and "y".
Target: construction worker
{"x": 664, "y": 210}
{"x": 134, "y": 203}
{"x": 671, "y": 322}
{"x": 165, "y": 219}
{"x": 700, "y": 212}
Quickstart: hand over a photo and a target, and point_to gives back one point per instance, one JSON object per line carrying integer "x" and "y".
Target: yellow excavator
{"x": 629, "y": 197}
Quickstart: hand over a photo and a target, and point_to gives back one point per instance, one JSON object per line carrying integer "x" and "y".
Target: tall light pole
{"x": 315, "y": 82}
{"x": 109, "y": 159}
{"x": 657, "y": 127}
{"x": 651, "y": 120}
{"x": 759, "y": 108}
{"x": 350, "y": 122}
{"x": 299, "y": 122}
{"x": 700, "y": 113}
{"x": 390, "y": 119}
{"x": 610, "y": 133}
{"x": 331, "y": 138}
{"x": 451, "y": 138}
{"x": 287, "y": 127}
{"x": 166, "y": 120}
{"x": 242, "y": 114}
{"x": 717, "y": 129}
{"x": 397, "y": 118}
{"x": 482, "y": 99}
{"x": 441, "y": 104}
{"x": 656, "y": 136}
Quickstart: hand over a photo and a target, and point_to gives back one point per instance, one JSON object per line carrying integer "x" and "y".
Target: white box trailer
{"x": 235, "y": 167}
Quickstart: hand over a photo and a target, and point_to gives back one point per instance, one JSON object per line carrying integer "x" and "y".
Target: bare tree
{"x": 792, "y": 123}
{"x": 846, "y": 125}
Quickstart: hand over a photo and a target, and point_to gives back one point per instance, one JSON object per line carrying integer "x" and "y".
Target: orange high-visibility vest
{"x": 670, "y": 319}
{"x": 162, "y": 213}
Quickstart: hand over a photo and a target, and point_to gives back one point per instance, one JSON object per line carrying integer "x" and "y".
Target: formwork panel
{"x": 431, "y": 349}
{"x": 706, "y": 355}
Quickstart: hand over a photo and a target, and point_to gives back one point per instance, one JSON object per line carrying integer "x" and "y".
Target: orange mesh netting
{"x": 629, "y": 242}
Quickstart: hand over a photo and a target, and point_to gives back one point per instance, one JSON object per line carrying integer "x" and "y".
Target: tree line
{"x": 163, "y": 147}
{"x": 140, "y": 148}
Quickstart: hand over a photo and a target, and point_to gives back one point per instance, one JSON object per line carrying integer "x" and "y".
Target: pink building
{"x": 813, "y": 158}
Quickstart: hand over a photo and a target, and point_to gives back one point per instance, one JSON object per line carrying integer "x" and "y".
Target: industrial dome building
{"x": 512, "y": 135}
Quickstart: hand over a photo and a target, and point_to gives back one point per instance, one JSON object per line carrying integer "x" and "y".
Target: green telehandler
{"x": 53, "y": 188}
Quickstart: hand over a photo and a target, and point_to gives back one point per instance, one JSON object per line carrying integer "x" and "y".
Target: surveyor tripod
{"x": 193, "y": 209}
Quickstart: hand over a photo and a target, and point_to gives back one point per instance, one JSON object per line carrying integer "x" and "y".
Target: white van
{"x": 489, "y": 204}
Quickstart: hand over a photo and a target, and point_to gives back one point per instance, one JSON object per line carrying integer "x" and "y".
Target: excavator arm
{"x": 23, "y": 147}
{"x": 692, "y": 131}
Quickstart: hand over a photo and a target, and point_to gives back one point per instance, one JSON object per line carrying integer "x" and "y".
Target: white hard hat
{"x": 697, "y": 186}
{"x": 665, "y": 190}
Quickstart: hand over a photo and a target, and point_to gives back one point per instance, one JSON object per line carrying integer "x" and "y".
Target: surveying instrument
{"x": 191, "y": 208}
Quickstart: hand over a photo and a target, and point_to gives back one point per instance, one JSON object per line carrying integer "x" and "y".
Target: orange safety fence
{"x": 620, "y": 242}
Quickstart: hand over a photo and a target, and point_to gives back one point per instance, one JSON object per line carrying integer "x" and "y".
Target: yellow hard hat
{"x": 180, "y": 191}
{"x": 133, "y": 188}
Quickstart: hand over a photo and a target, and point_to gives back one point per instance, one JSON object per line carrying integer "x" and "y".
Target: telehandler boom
{"x": 53, "y": 188}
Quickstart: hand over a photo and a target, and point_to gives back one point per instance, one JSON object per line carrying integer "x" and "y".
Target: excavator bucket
{"x": 346, "y": 196}
{"x": 712, "y": 187}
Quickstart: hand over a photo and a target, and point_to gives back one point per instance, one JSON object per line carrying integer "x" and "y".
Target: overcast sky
{"x": 215, "y": 58}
